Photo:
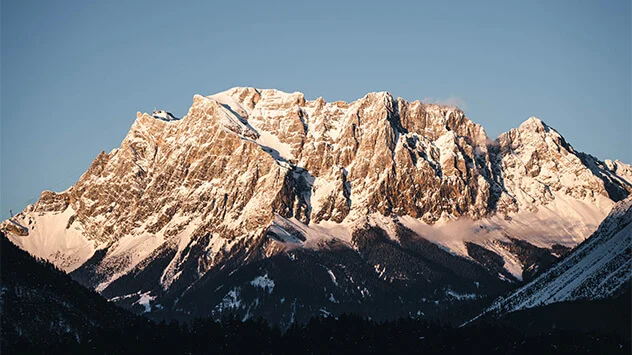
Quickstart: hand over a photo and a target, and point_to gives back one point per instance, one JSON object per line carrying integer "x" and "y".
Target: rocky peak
{"x": 535, "y": 133}
{"x": 537, "y": 161}
{"x": 247, "y": 161}
{"x": 620, "y": 168}
{"x": 533, "y": 124}
{"x": 50, "y": 201}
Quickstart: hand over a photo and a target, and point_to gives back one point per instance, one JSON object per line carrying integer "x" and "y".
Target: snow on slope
{"x": 286, "y": 229}
{"x": 564, "y": 221}
{"x": 594, "y": 270}
{"x": 237, "y": 116}
{"x": 52, "y": 237}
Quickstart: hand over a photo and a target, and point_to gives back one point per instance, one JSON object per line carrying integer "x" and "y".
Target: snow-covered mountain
{"x": 597, "y": 269}
{"x": 260, "y": 201}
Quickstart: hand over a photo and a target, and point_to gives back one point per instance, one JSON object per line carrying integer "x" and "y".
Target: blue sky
{"x": 74, "y": 73}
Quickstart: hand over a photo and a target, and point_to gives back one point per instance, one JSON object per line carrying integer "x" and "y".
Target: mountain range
{"x": 265, "y": 204}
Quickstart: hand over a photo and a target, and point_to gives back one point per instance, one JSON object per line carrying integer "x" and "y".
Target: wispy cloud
{"x": 455, "y": 101}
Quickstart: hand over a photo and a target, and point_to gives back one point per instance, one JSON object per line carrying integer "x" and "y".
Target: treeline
{"x": 43, "y": 311}
{"x": 347, "y": 334}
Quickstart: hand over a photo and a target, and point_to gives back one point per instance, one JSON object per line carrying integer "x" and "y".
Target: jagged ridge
{"x": 182, "y": 197}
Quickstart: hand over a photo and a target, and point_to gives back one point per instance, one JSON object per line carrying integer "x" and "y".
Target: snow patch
{"x": 460, "y": 297}
{"x": 145, "y": 300}
{"x": 278, "y": 150}
{"x": 231, "y": 300}
{"x": 314, "y": 233}
{"x": 333, "y": 277}
{"x": 164, "y": 115}
{"x": 263, "y": 282}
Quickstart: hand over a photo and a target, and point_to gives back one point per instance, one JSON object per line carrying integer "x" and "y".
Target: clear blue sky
{"x": 74, "y": 73}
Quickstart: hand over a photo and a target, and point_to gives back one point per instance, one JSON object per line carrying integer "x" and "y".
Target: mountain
{"x": 264, "y": 203}
{"x": 599, "y": 268}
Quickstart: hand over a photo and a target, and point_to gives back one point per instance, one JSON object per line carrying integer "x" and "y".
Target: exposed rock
{"x": 251, "y": 174}
{"x": 15, "y": 228}
{"x": 52, "y": 202}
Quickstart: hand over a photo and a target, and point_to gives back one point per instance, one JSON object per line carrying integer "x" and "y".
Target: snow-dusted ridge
{"x": 249, "y": 174}
{"x": 596, "y": 269}
{"x": 69, "y": 248}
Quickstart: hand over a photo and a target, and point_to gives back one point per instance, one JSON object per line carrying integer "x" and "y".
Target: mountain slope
{"x": 597, "y": 269}
{"x": 251, "y": 177}
{"x": 39, "y": 302}
{"x": 610, "y": 315}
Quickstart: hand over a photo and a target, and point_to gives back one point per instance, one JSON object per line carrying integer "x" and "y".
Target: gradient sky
{"x": 74, "y": 73}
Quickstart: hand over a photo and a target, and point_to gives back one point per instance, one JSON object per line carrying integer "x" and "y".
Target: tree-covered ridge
{"x": 45, "y": 311}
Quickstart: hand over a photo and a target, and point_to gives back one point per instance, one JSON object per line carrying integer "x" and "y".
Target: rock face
{"x": 250, "y": 177}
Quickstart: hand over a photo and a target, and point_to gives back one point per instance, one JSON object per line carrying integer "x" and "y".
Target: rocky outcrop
{"x": 182, "y": 197}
